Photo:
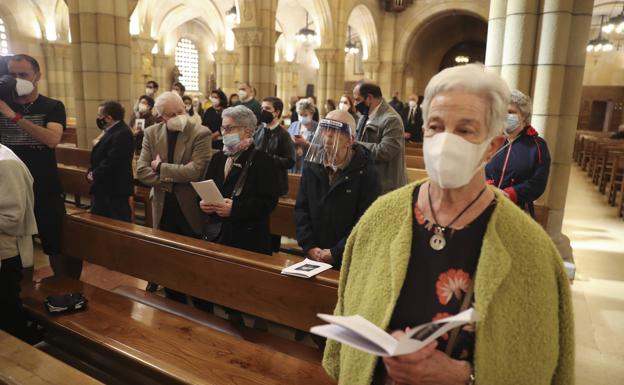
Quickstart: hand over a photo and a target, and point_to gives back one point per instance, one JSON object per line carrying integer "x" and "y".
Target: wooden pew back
{"x": 242, "y": 280}
{"x": 71, "y": 156}
{"x": 412, "y": 161}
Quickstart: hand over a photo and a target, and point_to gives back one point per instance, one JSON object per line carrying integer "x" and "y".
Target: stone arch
{"x": 415, "y": 18}
{"x": 361, "y": 19}
{"x": 61, "y": 20}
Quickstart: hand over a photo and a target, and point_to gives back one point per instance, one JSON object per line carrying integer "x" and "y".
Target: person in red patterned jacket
{"x": 521, "y": 168}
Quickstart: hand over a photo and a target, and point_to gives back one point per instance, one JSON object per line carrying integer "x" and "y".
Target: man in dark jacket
{"x": 111, "y": 164}
{"x": 412, "y": 119}
{"x": 272, "y": 138}
{"x": 338, "y": 184}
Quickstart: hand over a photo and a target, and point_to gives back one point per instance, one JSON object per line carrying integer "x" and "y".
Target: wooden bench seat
{"x": 414, "y": 161}
{"x": 144, "y": 345}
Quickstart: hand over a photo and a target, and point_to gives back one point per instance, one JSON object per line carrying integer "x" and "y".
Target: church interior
{"x": 241, "y": 320}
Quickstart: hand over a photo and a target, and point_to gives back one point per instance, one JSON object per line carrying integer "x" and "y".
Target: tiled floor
{"x": 597, "y": 237}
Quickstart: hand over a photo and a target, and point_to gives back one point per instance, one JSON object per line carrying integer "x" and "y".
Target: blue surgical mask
{"x": 231, "y": 140}
{"x": 305, "y": 119}
{"x": 513, "y": 122}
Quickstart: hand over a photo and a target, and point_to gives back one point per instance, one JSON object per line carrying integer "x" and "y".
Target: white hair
{"x": 305, "y": 105}
{"x": 474, "y": 79}
{"x": 168, "y": 98}
{"x": 242, "y": 115}
{"x": 523, "y": 103}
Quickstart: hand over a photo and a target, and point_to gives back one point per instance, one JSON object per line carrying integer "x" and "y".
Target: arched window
{"x": 187, "y": 60}
{"x": 4, "y": 39}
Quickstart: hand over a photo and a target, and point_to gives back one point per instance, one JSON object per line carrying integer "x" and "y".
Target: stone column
{"x": 518, "y": 52}
{"x": 162, "y": 67}
{"x": 371, "y": 70}
{"x": 257, "y": 58}
{"x": 142, "y": 64}
{"x": 398, "y": 80}
{"x": 59, "y": 74}
{"x": 559, "y": 70}
{"x": 331, "y": 74}
{"x": 102, "y": 60}
{"x": 496, "y": 35}
{"x": 287, "y": 77}
{"x": 225, "y": 61}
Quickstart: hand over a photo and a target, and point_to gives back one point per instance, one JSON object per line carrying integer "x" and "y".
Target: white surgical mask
{"x": 143, "y": 108}
{"x": 23, "y": 87}
{"x": 412, "y": 103}
{"x": 231, "y": 140}
{"x": 242, "y": 94}
{"x": 451, "y": 161}
{"x": 177, "y": 123}
{"x": 188, "y": 107}
{"x": 306, "y": 120}
{"x": 149, "y": 92}
{"x": 513, "y": 122}
{"x": 215, "y": 101}
{"x": 343, "y": 106}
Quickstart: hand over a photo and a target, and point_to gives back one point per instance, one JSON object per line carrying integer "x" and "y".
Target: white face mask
{"x": 513, "y": 122}
{"x": 143, "y": 108}
{"x": 215, "y": 101}
{"x": 149, "y": 92}
{"x": 23, "y": 87}
{"x": 177, "y": 123}
{"x": 343, "y": 106}
{"x": 412, "y": 103}
{"x": 242, "y": 94}
{"x": 451, "y": 161}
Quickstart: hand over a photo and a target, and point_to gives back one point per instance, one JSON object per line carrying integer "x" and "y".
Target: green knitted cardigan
{"x": 525, "y": 335}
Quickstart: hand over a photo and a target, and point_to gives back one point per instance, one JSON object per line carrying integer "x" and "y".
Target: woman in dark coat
{"x": 521, "y": 169}
{"x": 243, "y": 219}
{"x": 338, "y": 184}
{"x": 212, "y": 117}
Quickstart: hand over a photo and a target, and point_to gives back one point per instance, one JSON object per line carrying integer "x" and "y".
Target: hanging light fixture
{"x": 462, "y": 59}
{"x": 350, "y": 47}
{"x": 305, "y": 34}
{"x": 600, "y": 44}
{"x": 615, "y": 23}
{"x": 230, "y": 14}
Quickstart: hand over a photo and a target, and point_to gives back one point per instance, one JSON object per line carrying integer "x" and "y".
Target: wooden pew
{"x": 414, "y": 151}
{"x": 70, "y": 136}
{"x": 21, "y": 363}
{"x": 616, "y": 179}
{"x": 74, "y": 181}
{"x": 242, "y": 280}
{"x": 71, "y": 156}
{"x": 414, "y": 162}
{"x": 139, "y": 344}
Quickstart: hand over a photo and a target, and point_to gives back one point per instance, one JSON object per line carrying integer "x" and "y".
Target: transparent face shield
{"x": 330, "y": 144}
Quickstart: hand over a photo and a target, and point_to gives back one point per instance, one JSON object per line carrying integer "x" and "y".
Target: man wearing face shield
{"x": 380, "y": 129}
{"x": 32, "y": 125}
{"x": 175, "y": 152}
{"x": 338, "y": 183}
{"x": 521, "y": 169}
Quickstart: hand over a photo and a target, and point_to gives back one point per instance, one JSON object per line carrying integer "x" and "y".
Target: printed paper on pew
{"x": 306, "y": 269}
{"x": 358, "y": 332}
{"x": 208, "y": 191}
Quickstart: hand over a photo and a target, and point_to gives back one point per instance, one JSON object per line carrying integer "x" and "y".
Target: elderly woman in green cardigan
{"x": 432, "y": 248}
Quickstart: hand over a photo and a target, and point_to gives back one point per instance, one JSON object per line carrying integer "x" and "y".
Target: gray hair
{"x": 523, "y": 103}
{"x": 475, "y": 79}
{"x": 305, "y": 105}
{"x": 167, "y": 98}
{"x": 242, "y": 115}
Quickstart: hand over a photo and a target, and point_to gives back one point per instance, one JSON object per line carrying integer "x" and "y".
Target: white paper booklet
{"x": 208, "y": 191}
{"x": 358, "y": 332}
{"x": 306, "y": 268}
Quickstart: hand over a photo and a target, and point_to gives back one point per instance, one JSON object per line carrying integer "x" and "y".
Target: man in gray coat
{"x": 380, "y": 129}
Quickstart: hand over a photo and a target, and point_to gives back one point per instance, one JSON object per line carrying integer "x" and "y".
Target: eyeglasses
{"x": 226, "y": 129}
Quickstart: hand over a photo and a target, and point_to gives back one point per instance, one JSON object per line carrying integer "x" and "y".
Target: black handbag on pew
{"x": 65, "y": 303}
{"x": 211, "y": 229}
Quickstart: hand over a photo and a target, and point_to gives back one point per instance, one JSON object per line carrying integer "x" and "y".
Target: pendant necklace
{"x": 437, "y": 241}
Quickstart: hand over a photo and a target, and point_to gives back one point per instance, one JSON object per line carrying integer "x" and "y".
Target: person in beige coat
{"x": 175, "y": 152}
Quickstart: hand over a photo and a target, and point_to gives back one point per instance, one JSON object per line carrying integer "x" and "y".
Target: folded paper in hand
{"x": 358, "y": 332}
{"x": 208, "y": 191}
{"x": 306, "y": 269}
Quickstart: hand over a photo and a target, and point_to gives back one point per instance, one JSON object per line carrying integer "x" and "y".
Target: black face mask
{"x": 101, "y": 123}
{"x": 266, "y": 117}
{"x": 362, "y": 108}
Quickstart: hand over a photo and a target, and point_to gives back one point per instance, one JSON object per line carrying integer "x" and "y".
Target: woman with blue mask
{"x": 522, "y": 166}
{"x": 302, "y": 132}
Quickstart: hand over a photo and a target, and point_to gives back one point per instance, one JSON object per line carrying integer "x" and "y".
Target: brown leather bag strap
{"x": 455, "y": 332}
